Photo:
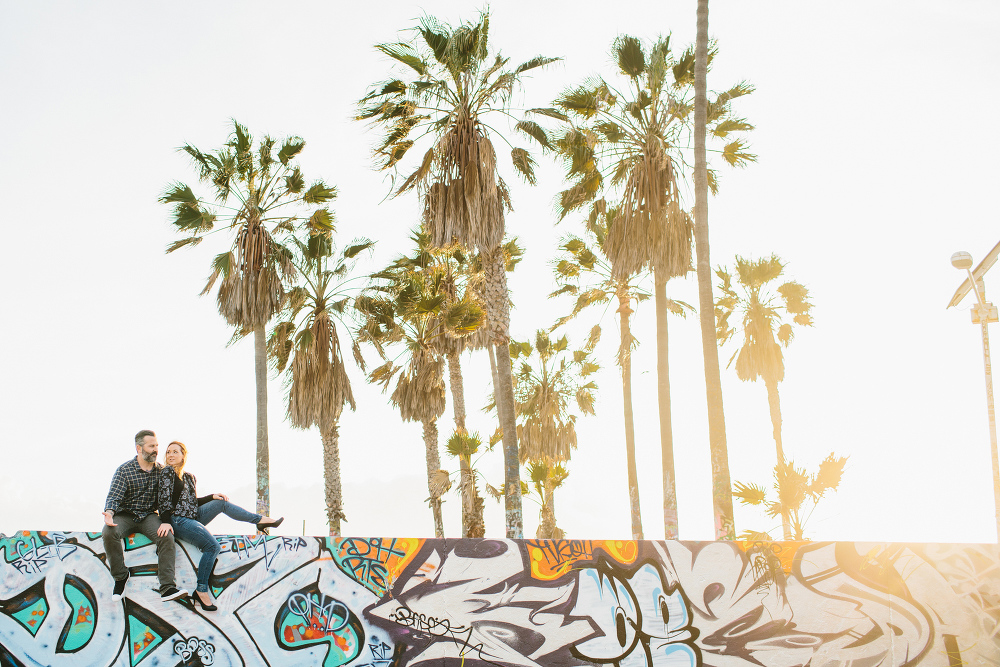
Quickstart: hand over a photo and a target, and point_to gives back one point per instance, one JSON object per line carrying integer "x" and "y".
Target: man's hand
{"x": 220, "y": 496}
{"x": 109, "y": 518}
{"x": 164, "y": 530}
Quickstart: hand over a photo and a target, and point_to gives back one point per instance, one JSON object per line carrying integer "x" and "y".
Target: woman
{"x": 179, "y": 505}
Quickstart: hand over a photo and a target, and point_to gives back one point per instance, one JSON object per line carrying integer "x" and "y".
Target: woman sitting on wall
{"x": 179, "y": 505}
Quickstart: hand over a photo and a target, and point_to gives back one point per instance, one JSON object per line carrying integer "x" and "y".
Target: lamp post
{"x": 984, "y": 312}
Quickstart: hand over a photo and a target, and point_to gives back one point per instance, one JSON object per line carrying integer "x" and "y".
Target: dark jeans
{"x": 127, "y": 525}
{"x": 194, "y": 532}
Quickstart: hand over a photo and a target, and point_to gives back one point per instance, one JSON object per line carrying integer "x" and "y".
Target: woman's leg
{"x": 214, "y": 508}
{"x": 196, "y": 534}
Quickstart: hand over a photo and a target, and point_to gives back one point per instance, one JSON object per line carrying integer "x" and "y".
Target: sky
{"x": 874, "y": 167}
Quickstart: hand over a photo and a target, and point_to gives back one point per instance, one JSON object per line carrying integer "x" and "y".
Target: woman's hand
{"x": 220, "y": 496}
{"x": 164, "y": 530}
{"x": 109, "y": 518}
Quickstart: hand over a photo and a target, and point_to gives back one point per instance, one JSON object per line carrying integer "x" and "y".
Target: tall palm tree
{"x": 411, "y": 309}
{"x": 254, "y": 187}
{"x": 460, "y": 276}
{"x": 318, "y": 386}
{"x": 626, "y": 139}
{"x": 548, "y": 377}
{"x": 587, "y": 273}
{"x": 762, "y": 325}
{"x": 446, "y": 106}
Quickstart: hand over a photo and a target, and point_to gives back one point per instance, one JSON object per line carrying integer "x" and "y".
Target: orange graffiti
{"x": 83, "y": 614}
{"x": 783, "y": 551}
{"x": 375, "y": 562}
{"x": 551, "y": 559}
{"x": 315, "y": 630}
{"x": 138, "y": 648}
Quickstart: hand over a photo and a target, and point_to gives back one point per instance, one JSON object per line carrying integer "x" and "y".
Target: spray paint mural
{"x": 394, "y": 602}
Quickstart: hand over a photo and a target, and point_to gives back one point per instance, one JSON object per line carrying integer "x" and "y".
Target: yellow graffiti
{"x": 551, "y": 559}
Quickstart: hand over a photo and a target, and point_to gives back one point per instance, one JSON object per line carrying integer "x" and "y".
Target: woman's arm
{"x": 164, "y": 496}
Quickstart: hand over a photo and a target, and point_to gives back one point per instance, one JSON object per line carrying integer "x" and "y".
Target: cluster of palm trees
{"x": 622, "y": 140}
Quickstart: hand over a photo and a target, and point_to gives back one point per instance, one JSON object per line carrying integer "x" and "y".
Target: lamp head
{"x": 961, "y": 260}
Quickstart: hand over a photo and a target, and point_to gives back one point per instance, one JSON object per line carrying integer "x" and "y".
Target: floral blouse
{"x": 187, "y": 500}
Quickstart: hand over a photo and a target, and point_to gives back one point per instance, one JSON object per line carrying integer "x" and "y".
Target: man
{"x": 131, "y": 508}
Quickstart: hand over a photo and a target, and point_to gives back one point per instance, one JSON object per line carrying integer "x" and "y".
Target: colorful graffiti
{"x": 395, "y": 602}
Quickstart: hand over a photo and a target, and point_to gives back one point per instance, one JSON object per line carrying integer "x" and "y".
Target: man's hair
{"x": 140, "y": 437}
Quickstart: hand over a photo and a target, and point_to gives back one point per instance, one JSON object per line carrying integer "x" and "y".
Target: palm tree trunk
{"x": 263, "y": 462}
{"x": 547, "y": 525}
{"x": 433, "y": 465}
{"x": 331, "y": 479}
{"x": 498, "y": 314}
{"x": 670, "y": 531}
{"x": 458, "y": 404}
{"x": 625, "y": 357}
{"x": 775, "y": 408}
{"x": 722, "y": 486}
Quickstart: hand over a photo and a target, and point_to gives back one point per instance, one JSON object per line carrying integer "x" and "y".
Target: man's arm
{"x": 115, "y": 495}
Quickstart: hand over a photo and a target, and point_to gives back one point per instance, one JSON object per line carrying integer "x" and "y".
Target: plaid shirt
{"x": 133, "y": 490}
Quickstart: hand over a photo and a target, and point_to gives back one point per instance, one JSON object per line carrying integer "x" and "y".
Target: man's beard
{"x": 149, "y": 458}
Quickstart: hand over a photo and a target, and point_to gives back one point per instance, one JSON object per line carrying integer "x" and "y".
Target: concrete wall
{"x": 383, "y": 602}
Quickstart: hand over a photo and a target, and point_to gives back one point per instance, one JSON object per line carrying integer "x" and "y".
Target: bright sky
{"x": 874, "y": 168}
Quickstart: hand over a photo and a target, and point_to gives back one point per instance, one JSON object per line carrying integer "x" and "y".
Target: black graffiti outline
{"x": 429, "y": 624}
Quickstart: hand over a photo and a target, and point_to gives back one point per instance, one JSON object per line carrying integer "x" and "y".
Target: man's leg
{"x": 113, "y": 547}
{"x": 165, "y": 549}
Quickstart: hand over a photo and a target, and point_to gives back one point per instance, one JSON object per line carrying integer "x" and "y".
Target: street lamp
{"x": 983, "y": 312}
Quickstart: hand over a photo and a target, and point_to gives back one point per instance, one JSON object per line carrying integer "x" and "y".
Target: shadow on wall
{"x": 385, "y": 602}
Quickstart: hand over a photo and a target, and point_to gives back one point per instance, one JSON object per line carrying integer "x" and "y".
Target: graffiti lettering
{"x": 324, "y": 614}
{"x": 194, "y": 647}
{"x": 32, "y": 558}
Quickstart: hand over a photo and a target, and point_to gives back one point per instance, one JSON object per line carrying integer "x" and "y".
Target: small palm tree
{"x": 586, "y": 272}
{"x": 260, "y": 196}
{"x": 546, "y": 478}
{"x": 626, "y": 139}
{"x": 411, "y": 310}
{"x": 796, "y": 494}
{"x": 548, "y": 375}
{"x": 307, "y": 345}
{"x": 763, "y": 327}
{"x": 464, "y": 446}
{"x": 451, "y": 87}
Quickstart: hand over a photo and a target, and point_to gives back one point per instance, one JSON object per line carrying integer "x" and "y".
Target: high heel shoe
{"x": 274, "y": 523}
{"x": 196, "y": 600}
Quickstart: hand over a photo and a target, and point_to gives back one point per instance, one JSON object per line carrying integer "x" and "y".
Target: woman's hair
{"x": 179, "y": 468}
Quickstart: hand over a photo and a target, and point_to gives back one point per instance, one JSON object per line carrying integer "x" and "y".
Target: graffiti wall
{"x": 390, "y": 602}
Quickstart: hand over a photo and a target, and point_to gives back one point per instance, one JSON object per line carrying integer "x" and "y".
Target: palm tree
{"x": 549, "y": 376}
{"x": 793, "y": 487}
{"x": 412, "y": 309}
{"x": 546, "y": 479}
{"x": 588, "y": 274}
{"x": 464, "y": 446}
{"x": 318, "y": 386}
{"x": 763, "y": 328}
{"x": 459, "y": 276}
{"x": 629, "y": 139}
{"x": 254, "y": 187}
{"x": 446, "y": 105}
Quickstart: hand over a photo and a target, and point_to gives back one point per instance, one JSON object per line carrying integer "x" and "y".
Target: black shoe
{"x": 196, "y": 600}
{"x": 171, "y": 592}
{"x": 262, "y": 527}
{"x": 120, "y": 587}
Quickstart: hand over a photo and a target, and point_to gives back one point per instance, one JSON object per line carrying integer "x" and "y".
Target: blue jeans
{"x": 194, "y": 532}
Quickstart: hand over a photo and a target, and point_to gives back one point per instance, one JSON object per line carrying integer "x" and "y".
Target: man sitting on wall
{"x": 132, "y": 503}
